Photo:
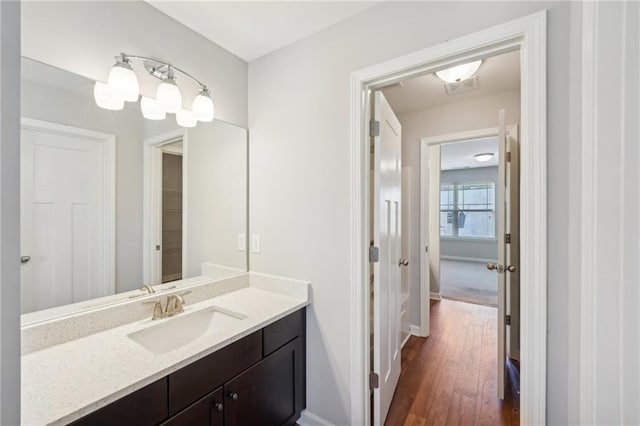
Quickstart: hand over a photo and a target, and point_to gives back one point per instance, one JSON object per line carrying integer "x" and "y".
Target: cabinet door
{"x": 269, "y": 393}
{"x": 208, "y": 411}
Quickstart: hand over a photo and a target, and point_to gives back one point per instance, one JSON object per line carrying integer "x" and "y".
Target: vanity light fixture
{"x": 122, "y": 86}
{"x": 459, "y": 72}
{"x": 485, "y": 156}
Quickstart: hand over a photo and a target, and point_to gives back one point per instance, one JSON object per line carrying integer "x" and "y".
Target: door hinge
{"x": 507, "y": 157}
{"x": 374, "y": 254}
{"x": 374, "y": 380}
{"x": 374, "y": 128}
{"x": 507, "y": 238}
{"x": 507, "y": 319}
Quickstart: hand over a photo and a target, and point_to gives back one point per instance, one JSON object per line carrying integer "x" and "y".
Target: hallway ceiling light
{"x": 122, "y": 86}
{"x": 459, "y": 72}
{"x": 485, "y": 156}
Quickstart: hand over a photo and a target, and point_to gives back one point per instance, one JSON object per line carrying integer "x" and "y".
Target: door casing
{"x": 528, "y": 34}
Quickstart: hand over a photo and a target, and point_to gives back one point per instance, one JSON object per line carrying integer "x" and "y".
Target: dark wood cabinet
{"x": 146, "y": 406}
{"x": 269, "y": 393}
{"x": 257, "y": 380}
{"x": 208, "y": 411}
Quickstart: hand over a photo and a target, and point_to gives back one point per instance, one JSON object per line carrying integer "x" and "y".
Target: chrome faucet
{"x": 174, "y": 305}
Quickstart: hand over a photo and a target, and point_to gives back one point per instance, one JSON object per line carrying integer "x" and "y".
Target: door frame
{"x": 528, "y": 34}
{"x": 109, "y": 188}
{"x": 152, "y": 204}
{"x": 427, "y": 209}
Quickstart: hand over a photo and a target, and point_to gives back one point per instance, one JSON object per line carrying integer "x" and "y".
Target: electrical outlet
{"x": 242, "y": 242}
{"x": 255, "y": 243}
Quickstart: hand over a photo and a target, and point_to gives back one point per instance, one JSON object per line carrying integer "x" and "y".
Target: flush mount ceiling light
{"x": 459, "y": 72}
{"x": 485, "y": 156}
{"x": 122, "y": 86}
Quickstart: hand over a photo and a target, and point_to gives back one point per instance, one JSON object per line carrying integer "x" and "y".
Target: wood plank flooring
{"x": 450, "y": 377}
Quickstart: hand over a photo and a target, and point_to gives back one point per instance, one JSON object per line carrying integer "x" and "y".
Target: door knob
{"x": 218, "y": 406}
{"x": 510, "y": 268}
{"x": 25, "y": 259}
{"x": 492, "y": 266}
{"x": 403, "y": 262}
{"x": 234, "y": 396}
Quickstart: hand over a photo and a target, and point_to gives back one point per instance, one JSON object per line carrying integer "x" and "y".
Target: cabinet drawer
{"x": 198, "y": 379}
{"x": 209, "y": 411}
{"x": 147, "y": 406}
{"x": 283, "y": 331}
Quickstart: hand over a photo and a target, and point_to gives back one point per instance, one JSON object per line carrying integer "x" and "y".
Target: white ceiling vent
{"x": 462, "y": 86}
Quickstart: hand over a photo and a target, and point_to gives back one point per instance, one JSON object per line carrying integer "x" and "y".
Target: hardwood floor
{"x": 449, "y": 378}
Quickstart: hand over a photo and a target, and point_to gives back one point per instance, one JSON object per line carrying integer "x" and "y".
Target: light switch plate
{"x": 242, "y": 242}
{"x": 255, "y": 243}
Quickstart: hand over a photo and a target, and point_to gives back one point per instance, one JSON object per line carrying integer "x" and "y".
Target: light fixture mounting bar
{"x": 157, "y": 71}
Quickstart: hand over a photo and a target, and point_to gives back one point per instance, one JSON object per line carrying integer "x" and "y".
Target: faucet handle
{"x": 157, "y": 308}
{"x": 179, "y": 302}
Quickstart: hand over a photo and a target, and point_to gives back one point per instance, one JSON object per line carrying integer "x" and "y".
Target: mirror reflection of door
{"x": 172, "y": 178}
{"x": 67, "y": 224}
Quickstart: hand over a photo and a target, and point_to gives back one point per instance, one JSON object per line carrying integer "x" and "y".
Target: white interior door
{"x": 512, "y": 217}
{"x": 63, "y": 219}
{"x": 387, "y": 236}
{"x": 508, "y": 243}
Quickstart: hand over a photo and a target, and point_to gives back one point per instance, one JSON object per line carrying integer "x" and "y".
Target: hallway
{"x": 450, "y": 377}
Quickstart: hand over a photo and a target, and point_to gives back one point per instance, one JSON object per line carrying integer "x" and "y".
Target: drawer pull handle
{"x": 234, "y": 396}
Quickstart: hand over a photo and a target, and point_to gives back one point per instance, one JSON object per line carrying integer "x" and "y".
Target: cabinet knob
{"x": 218, "y": 406}
{"x": 234, "y": 396}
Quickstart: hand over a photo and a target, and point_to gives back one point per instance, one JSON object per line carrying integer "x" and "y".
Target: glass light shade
{"x": 485, "y": 156}
{"x": 151, "y": 110}
{"x": 122, "y": 79}
{"x": 168, "y": 96}
{"x": 459, "y": 72}
{"x": 185, "y": 118}
{"x": 106, "y": 97}
{"x": 203, "y": 107}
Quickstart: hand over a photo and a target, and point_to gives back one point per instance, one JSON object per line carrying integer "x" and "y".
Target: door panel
{"x": 502, "y": 258}
{"x": 387, "y": 236}
{"x": 62, "y": 219}
{"x": 513, "y": 252}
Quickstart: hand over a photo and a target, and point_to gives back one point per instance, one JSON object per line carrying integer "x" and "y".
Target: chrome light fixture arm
{"x": 158, "y": 71}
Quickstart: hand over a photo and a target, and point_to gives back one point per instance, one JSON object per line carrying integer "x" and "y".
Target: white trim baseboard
{"x": 307, "y": 418}
{"x": 529, "y": 35}
{"x": 414, "y": 330}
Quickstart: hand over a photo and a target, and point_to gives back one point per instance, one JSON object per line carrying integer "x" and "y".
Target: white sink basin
{"x": 171, "y": 333}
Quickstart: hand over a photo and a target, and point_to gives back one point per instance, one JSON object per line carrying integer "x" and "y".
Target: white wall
{"x": 9, "y": 213}
{"x": 216, "y": 192}
{"x": 299, "y": 120}
{"x": 84, "y": 37}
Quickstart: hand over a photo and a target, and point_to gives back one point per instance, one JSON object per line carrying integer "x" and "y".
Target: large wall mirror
{"x": 111, "y": 201}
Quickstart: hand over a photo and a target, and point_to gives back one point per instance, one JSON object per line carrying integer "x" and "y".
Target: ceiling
{"x": 251, "y": 29}
{"x": 459, "y": 155}
{"x": 496, "y": 74}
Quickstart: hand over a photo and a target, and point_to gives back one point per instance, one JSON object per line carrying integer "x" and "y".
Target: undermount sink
{"x": 172, "y": 333}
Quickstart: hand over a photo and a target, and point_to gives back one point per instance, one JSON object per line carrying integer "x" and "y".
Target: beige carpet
{"x": 468, "y": 282}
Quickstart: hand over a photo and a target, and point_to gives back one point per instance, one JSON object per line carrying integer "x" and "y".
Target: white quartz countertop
{"x": 64, "y": 382}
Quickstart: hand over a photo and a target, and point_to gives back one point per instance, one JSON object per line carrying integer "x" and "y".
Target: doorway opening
{"x": 171, "y": 222}
{"x": 526, "y": 35}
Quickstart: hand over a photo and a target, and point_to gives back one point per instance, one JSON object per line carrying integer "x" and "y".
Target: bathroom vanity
{"x": 235, "y": 356}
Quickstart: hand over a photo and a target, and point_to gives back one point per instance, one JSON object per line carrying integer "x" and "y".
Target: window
{"x": 467, "y": 210}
